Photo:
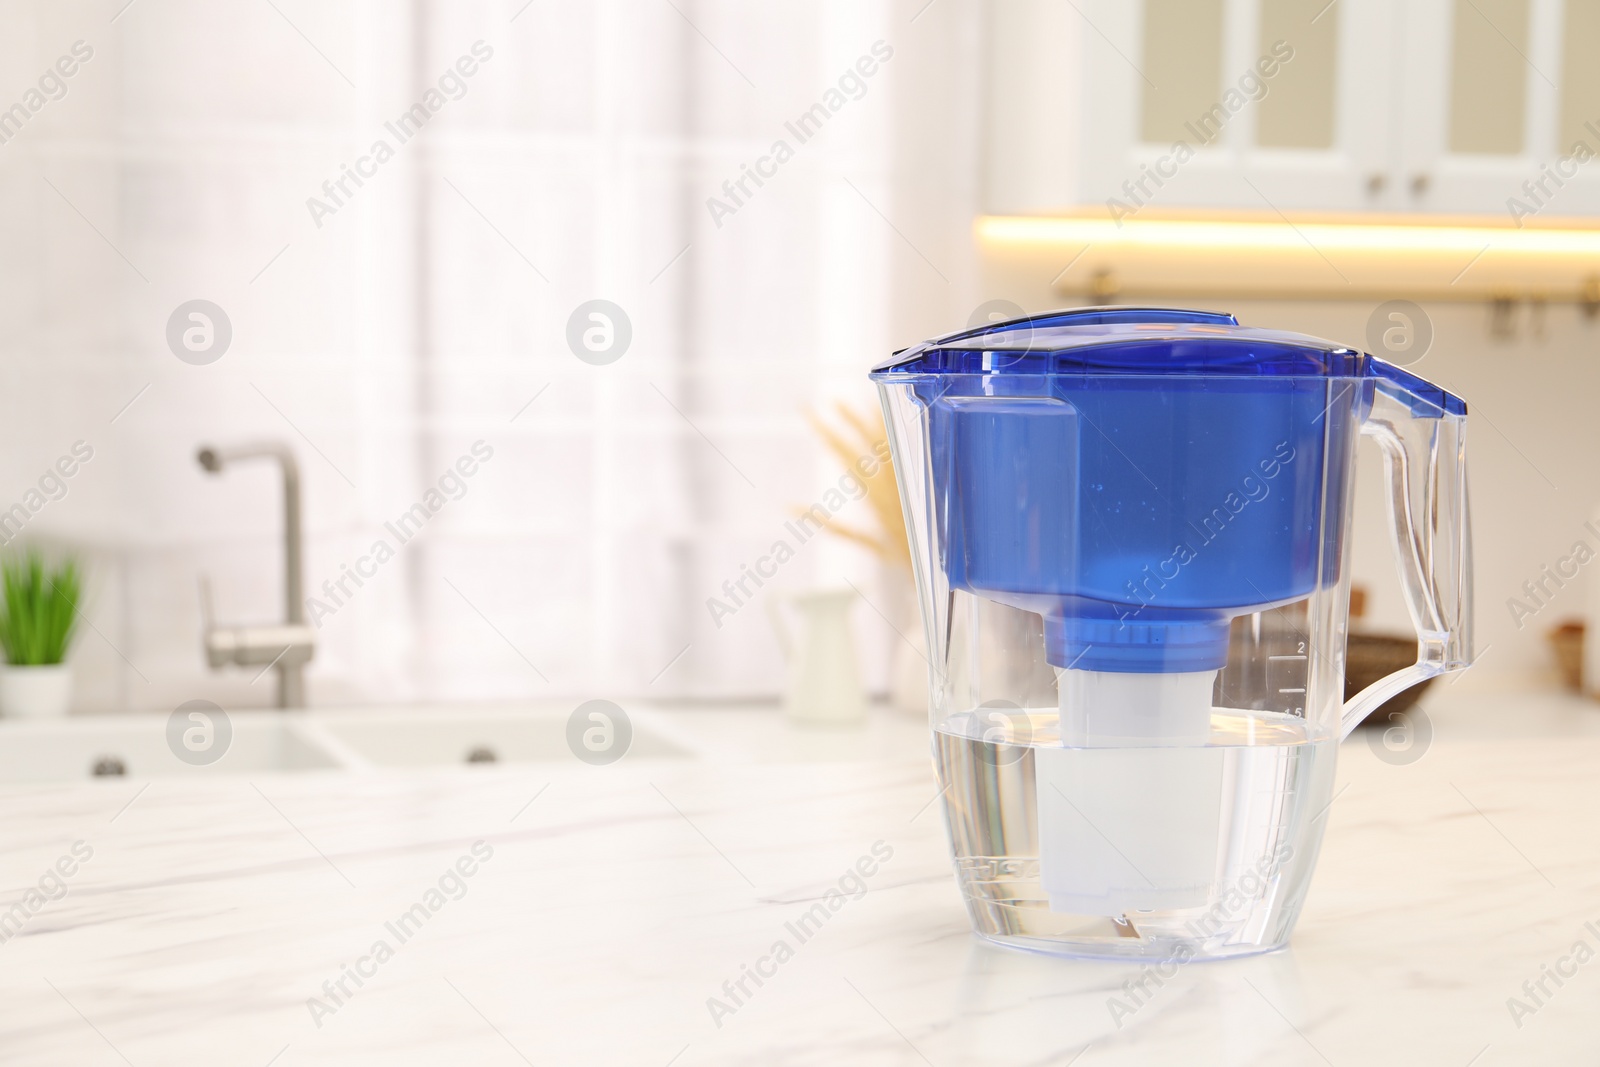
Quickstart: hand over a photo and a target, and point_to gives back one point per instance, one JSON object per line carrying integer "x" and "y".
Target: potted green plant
{"x": 38, "y": 617}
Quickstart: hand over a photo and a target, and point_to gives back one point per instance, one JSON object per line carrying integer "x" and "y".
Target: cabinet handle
{"x": 1420, "y": 183}
{"x": 1376, "y": 181}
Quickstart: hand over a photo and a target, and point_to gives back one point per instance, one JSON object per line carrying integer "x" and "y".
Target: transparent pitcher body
{"x": 1129, "y": 538}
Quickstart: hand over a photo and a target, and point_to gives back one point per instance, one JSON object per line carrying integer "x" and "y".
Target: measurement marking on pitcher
{"x": 1301, "y": 659}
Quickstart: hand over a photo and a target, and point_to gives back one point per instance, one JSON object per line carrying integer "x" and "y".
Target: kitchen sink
{"x": 81, "y": 748}
{"x": 434, "y": 738}
{"x": 135, "y": 746}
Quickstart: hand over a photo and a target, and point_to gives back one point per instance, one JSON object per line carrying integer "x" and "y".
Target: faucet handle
{"x": 217, "y": 644}
{"x": 208, "y": 609}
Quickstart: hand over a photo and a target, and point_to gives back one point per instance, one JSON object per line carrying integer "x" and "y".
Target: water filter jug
{"x": 1129, "y": 528}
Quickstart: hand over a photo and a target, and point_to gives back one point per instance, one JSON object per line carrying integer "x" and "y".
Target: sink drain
{"x": 482, "y": 754}
{"x": 109, "y": 767}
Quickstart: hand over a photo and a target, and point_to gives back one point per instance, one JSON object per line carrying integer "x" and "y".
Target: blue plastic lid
{"x": 1125, "y": 340}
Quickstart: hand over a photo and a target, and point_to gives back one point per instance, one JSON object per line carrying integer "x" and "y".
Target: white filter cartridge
{"x": 1129, "y": 804}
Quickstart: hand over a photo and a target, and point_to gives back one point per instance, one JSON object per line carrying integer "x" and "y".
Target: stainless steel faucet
{"x": 287, "y": 646}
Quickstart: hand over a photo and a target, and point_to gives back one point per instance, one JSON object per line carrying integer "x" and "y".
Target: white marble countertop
{"x": 618, "y": 899}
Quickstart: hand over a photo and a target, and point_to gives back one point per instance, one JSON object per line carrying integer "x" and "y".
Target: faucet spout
{"x": 290, "y": 646}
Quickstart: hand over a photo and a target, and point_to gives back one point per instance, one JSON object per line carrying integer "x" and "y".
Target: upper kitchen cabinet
{"x": 1239, "y": 104}
{"x": 1495, "y": 94}
{"x": 1443, "y": 106}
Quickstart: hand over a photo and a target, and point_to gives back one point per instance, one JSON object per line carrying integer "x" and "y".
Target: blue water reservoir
{"x": 1138, "y": 477}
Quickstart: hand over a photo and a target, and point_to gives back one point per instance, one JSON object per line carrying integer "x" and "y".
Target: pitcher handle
{"x": 1421, "y": 430}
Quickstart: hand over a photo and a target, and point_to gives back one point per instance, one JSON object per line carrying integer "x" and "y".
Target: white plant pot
{"x": 37, "y": 692}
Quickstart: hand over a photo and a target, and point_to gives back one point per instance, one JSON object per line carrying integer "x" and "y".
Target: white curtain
{"x": 387, "y": 329}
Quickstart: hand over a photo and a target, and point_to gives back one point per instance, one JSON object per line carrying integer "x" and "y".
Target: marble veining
{"x": 601, "y": 918}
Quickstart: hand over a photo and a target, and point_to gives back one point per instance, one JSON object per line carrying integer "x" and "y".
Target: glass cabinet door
{"x": 1301, "y": 107}
{"x": 1495, "y": 95}
{"x": 1250, "y": 104}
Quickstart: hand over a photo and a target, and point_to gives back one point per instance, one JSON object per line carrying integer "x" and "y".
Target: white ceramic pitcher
{"x": 824, "y": 684}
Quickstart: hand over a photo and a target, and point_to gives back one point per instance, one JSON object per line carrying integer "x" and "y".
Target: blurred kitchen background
{"x": 960, "y": 158}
